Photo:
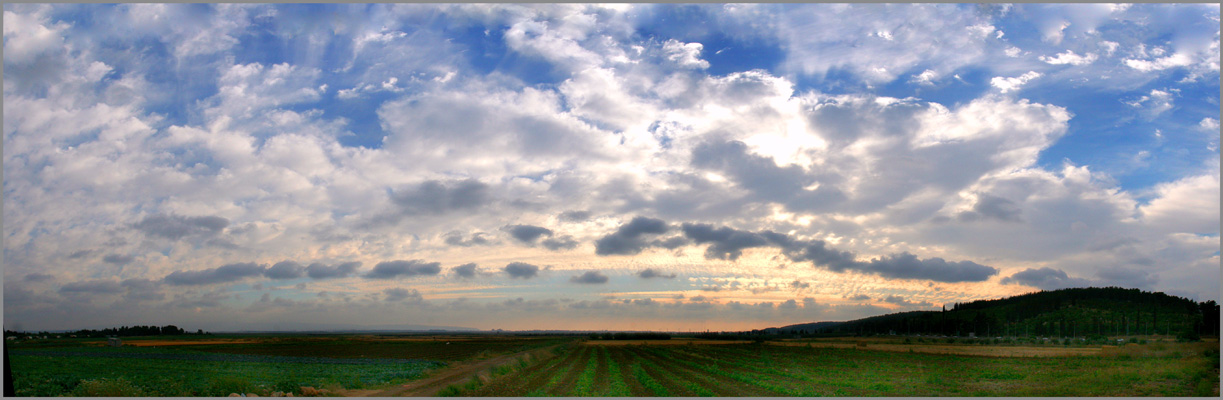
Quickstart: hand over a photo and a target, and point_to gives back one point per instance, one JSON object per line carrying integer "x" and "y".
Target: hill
{"x": 1109, "y": 311}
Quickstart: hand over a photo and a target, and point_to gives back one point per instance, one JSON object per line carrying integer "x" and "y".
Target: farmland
{"x": 261, "y": 365}
{"x": 488, "y": 365}
{"x": 774, "y": 370}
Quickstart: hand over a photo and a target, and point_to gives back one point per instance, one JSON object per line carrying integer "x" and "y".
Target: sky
{"x": 588, "y": 167}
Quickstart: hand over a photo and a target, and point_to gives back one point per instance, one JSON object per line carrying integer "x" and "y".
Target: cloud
{"x": 437, "y": 197}
{"x": 651, "y": 273}
{"x": 401, "y": 294}
{"x": 627, "y": 240}
{"x": 687, "y": 55}
{"x": 177, "y": 227}
{"x": 589, "y": 277}
{"x": 727, "y": 243}
{"x": 799, "y": 284}
{"x": 1012, "y": 84}
{"x": 1045, "y": 278}
{"x": 559, "y": 243}
{"x": 1069, "y": 57}
{"x": 393, "y": 269}
{"x": 118, "y": 259}
{"x": 1209, "y": 124}
{"x": 762, "y": 177}
{"x": 320, "y": 271}
{"x": 574, "y": 216}
{"x": 284, "y": 270}
{"x": 993, "y": 207}
{"x": 528, "y": 233}
{"x": 455, "y": 238}
{"x": 468, "y": 270}
{"x": 223, "y": 274}
{"x": 521, "y": 270}
{"x": 92, "y": 287}
{"x": 37, "y": 277}
{"x": 1161, "y": 63}
{"x": 858, "y": 297}
{"x": 901, "y": 301}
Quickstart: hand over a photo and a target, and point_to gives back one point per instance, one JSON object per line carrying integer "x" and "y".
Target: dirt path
{"x": 454, "y": 374}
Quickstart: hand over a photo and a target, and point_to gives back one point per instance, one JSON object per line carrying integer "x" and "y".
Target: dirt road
{"x": 458, "y": 373}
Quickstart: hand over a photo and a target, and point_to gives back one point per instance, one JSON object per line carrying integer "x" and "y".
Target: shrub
{"x": 1188, "y": 335}
{"x": 118, "y": 387}
{"x": 222, "y": 386}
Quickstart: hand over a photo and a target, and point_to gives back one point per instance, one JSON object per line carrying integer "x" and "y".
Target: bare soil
{"x": 456, "y": 373}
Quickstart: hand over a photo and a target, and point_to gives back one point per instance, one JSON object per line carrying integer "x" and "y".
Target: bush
{"x": 222, "y": 386}
{"x": 118, "y": 387}
{"x": 1188, "y": 335}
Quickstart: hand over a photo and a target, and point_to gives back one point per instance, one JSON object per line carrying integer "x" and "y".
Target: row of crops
{"x": 756, "y": 370}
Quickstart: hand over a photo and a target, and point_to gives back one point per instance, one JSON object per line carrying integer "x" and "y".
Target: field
{"x": 594, "y": 369}
{"x": 261, "y": 365}
{"x": 489, "y": 365}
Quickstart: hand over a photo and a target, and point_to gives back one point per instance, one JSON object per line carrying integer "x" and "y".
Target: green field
{"x": 766, "y": 370}
{"x": 578, "y": 367}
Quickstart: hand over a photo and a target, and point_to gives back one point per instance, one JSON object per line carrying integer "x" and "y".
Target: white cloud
{"x": 1209, "y": 124}
{"x": 926, "y": 78}
{"x": 687, "y": 55}
{"x": 26, "y": 38}
{"x": 1013, "y": 83}
{"x": 1175, "y": 60}
{"x": 1069, "y": 57}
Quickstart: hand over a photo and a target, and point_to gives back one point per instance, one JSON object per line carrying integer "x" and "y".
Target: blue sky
{"x": 584, "y": 166}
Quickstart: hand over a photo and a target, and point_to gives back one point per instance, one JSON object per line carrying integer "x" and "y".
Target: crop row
{"x": 756, "y": 370}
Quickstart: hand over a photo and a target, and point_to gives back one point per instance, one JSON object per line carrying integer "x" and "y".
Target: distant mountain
{"x": 340, "y": 328}
{"x": 1106, "y": 311}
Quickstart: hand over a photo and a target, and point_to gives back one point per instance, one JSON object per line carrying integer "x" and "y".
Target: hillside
{"x": 1107, "y": 311}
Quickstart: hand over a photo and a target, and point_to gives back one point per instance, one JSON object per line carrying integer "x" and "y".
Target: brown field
{"x": 663, "y": 342}
{"x": 993, "y": 351}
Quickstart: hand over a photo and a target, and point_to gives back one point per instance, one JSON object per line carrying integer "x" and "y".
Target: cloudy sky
{"x": 665, "y": 167}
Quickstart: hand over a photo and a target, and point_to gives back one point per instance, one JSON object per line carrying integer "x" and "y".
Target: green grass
{"x": 102, "y": 368}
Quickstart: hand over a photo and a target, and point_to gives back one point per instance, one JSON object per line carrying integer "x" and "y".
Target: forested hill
{"x": 1109, "y": 311}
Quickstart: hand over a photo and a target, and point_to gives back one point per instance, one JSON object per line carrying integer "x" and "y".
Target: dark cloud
{"x": 82, "y": 254}
{"x": 589, "y": 277}
{"x": 1045, "y": 278}
{"x": 799, "y": 284}
{"x": 401, "y": 294}
{"x": 320, "y": 271}
{"x": 651, "y": 273}
{"x": 1126, "y": 277}
{"x": 908, "y": 266}
{"x": 788, "y": 305}
{"x": 858, "y": 297}
{"x": 527, "y": 233}
{"x": 574, "y": 216}
{"x": 764, "y": 179}
{"x": 565, "y": 242}
{"x": 436, "y": 197}
{"x": 37, "y": 277}
{"x": 455, "y": 238}
{"x": 521, "y": 270}
{"x": 627, "y": 240}
{"x": 671, "y": 243}
{"x": 222, "y": 274}
{"x": 177, "y": 227}
{"x": 466, "y": 270}
{"x": 698, "y": 298}
{"x": 901, "y": 301}
{"x": 118, "y": 259}
{"x": 727, "y": 243}
{"x": 284, "y": 270}
{"x": 392, "y": 269}
{"x": 992, "y": 207}
{"x": 142, "y": 289}
{"x": 95, "y": 287}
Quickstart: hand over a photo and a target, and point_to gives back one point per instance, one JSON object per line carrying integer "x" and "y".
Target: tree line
{"x": 137, "y": 330}
{"x": 1075, "y": 312}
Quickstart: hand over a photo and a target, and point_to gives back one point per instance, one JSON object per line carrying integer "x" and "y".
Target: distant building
{"x": 114, "y": 342}
{"x": 11, "y": 338}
